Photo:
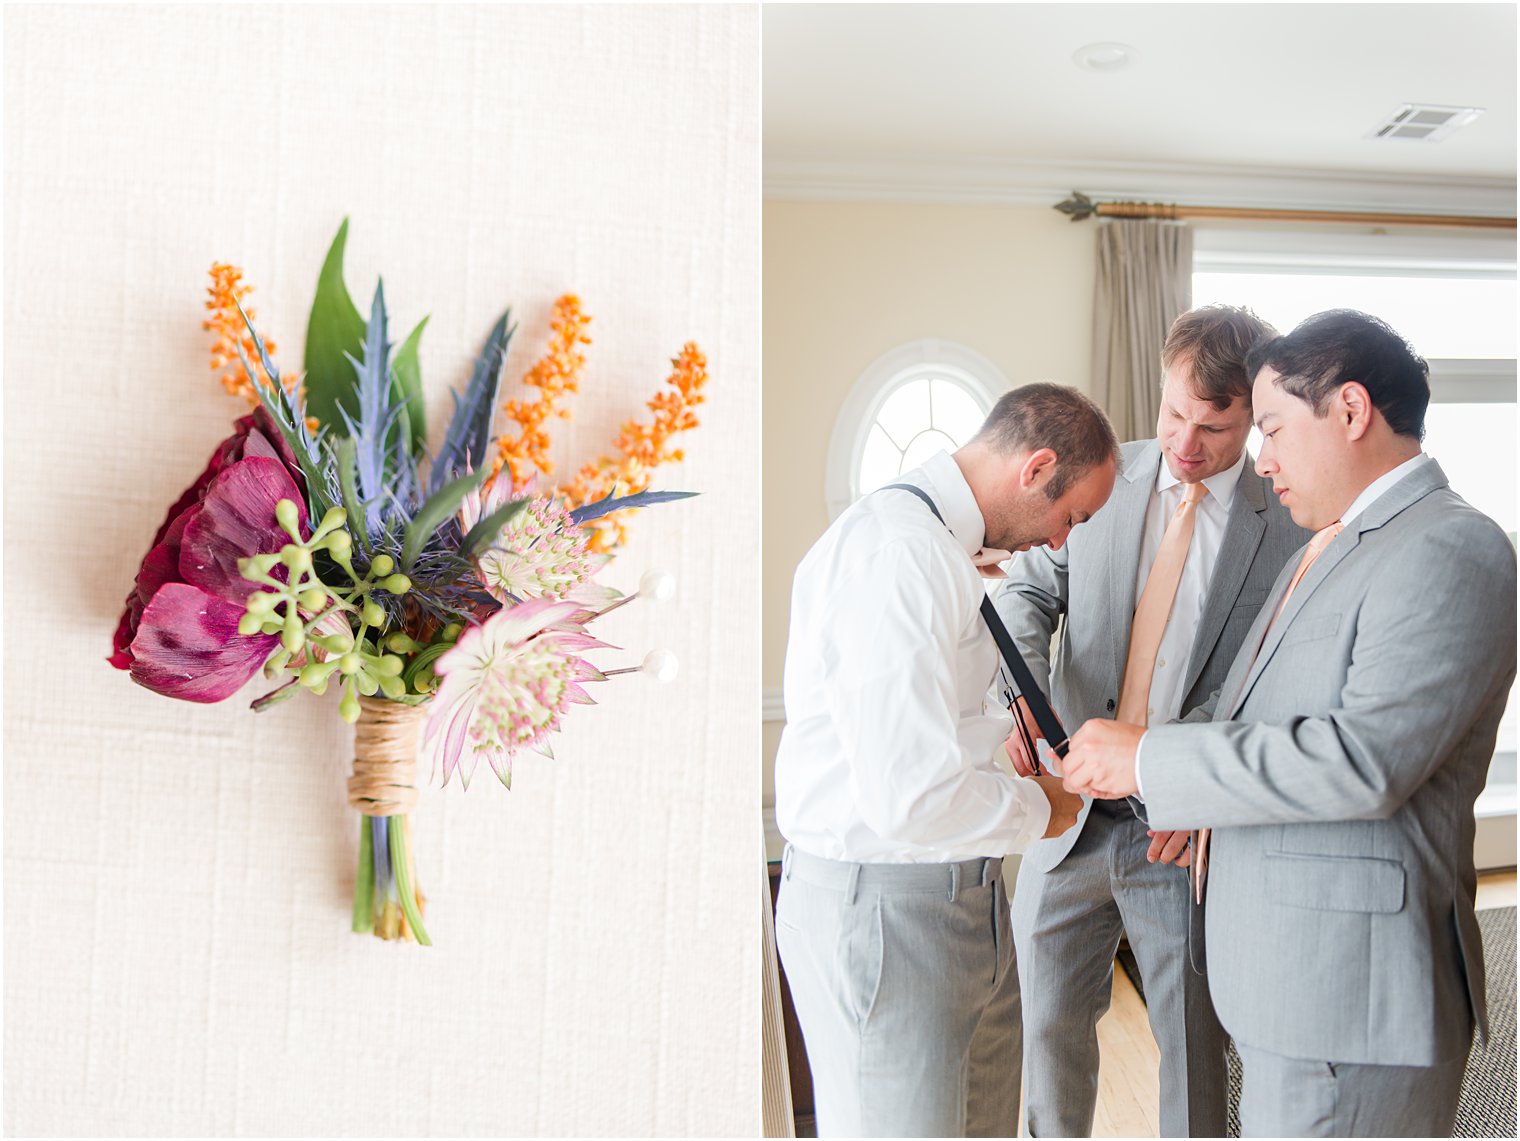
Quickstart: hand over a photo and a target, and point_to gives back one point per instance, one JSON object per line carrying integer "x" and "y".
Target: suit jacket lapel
{"x": 1412, "y": 488}
{"x": 1232, "y": 693}
{"x": 1242, "y": 536}
{"x": 1130, "y": 501}
{"x": 1329, "y": 559}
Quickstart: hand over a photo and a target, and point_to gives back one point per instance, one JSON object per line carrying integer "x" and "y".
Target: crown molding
{"x": 1046, "y": 183}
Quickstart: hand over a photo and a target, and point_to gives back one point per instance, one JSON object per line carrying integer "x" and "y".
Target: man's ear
{"x": 1353, "y": 407}
{"x": 1038, "y": 467}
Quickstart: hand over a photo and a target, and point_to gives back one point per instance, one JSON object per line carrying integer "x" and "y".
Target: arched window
{"x": 913, "y": 401}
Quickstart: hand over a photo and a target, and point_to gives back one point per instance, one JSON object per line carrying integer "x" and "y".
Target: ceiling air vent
{"x": 1424, "y": 121}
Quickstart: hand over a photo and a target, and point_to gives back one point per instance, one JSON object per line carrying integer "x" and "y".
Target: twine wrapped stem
{"x": 385, "y": 757}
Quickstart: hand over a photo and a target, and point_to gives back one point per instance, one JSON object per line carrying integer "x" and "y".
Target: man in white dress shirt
{"x": 892, "y": 921}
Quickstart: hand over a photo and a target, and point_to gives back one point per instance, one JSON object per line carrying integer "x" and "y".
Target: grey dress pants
{"x": 1067, "y": 922}
{"x": 906, "y": 989}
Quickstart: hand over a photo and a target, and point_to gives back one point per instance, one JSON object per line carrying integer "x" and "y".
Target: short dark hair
{"x": 1338, "y": 346}
{"x": 1214, "y": 341}
{"x": 1045, "y": 415}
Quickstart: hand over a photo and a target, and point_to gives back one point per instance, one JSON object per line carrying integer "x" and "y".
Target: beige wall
{"x": 846, "y": 282}
{"x": 178, "y": 878}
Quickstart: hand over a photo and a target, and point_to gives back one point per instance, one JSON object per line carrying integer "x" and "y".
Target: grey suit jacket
{"x": 1091, "y": 582}
{"x": 1340, "y": 775}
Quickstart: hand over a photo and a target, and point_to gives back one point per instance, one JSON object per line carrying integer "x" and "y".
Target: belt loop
{"x": 852, "y": 884}
{"x": 786, "y": 862}
{"x": 955, "y": 881}
{"x": 987, "y": 876}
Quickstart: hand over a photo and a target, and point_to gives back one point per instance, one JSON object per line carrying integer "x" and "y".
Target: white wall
{"x": 844, "y": 283}
{"x": 178, "y": 877}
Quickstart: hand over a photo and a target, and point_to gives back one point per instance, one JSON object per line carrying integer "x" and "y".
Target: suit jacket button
{"x": 1110, "y": 705}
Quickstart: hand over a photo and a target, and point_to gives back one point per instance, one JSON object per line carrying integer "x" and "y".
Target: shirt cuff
{"x": 1139, "y": 768}
{"x": 1036, "y": 815}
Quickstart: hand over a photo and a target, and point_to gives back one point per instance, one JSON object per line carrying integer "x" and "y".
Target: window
{"x": 928, "y": 412}
{"x": 1443, "y": 317}
{"x": 912, "y": 402}
{"x": 1463, "y": 326}
{"x": 1452, "y": 298}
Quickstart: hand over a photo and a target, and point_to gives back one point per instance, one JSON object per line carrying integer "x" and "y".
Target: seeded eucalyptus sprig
{"x": 298, "y": 607}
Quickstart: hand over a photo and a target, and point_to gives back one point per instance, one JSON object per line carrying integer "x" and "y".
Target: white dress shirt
{"x": 1383, "y": 483}
{"x": 1209, "y": 522}
{"x": 887, "y": 754}
{"x": 1369, "y": 495}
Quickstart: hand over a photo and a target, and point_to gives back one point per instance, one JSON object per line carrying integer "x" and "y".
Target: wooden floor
{"x": 1127, "y": 1083}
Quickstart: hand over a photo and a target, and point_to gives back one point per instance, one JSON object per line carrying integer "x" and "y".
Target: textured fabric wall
{"x": 178, "y": 877}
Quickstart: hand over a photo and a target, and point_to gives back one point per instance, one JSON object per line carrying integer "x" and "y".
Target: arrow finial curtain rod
{"x": 1079, "y": 207}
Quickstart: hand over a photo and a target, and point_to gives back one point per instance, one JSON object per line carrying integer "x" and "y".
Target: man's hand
{"x": 1063, "y": 805}
{"x": 1169, "y": 848}
{"x": 1023, "y": 763}
{"x": 1101, "y": 762}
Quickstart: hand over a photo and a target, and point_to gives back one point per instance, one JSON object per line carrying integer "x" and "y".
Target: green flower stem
{"x": 403, "y": 878}
{"x": 364, "y": 882}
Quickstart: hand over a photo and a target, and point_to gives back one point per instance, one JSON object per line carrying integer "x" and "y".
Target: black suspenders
{"x": 1028, "y": 689}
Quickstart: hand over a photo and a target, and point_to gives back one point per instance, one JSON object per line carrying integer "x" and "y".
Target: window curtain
{"x": 1145, "y": 280}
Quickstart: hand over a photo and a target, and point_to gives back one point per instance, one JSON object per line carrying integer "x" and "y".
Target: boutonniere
{"x": 448, "y": 592}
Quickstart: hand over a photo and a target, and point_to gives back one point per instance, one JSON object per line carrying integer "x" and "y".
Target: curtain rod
{"x": 1079, "y": 206}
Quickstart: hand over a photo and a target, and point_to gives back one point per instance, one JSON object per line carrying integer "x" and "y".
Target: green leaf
{"x": 406, "y": 385}
{"x": 431, "y": 515}
{"x": 348, "y": 486}
{"x": 469, "y": 431}
{"x": 334, "y": 332}
{"x": 484, "y": 533}
{"x": 289, "y": 417}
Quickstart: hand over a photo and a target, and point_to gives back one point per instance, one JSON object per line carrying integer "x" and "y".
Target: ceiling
{"x": 988, "y": 94}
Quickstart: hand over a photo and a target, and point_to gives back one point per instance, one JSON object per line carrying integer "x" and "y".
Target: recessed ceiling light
{"x": 1423, "y": 121}
{"x": 1106, "y": 56}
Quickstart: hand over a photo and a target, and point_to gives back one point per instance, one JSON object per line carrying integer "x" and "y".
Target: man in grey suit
{"x": 1110, "y": 875}
{"x": 1348, "y": 744}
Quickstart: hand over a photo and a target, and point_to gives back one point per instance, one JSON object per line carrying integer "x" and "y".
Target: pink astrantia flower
{"x": 506, "y": 685}
{"x": 541, "y": 553}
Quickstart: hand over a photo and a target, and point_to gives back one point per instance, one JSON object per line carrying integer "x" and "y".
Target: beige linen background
{"x": 178, "y": 877}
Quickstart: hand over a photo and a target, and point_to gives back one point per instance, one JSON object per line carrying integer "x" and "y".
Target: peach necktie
{"x": 1155, "y": 607}
{"x": 1321, "y": 540}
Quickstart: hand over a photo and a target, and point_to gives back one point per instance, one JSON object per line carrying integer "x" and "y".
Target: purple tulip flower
{"x": 178, "y": 634}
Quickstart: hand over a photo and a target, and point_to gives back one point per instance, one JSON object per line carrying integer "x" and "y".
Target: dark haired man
{"x": 1157, "y": 594}
{"x": 892, "y": 919}
{"x": 1348, "y": 744}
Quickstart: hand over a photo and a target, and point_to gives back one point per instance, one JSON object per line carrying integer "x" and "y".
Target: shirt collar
{"x": 1374, "y": 490}
{"x": 953, "y": 496}
{"x": 1221, "y": 484}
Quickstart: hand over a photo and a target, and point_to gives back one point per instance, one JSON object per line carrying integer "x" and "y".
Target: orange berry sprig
{"x": 643, "y": 447}
{"x": 225, "y": 293}
{"x": 555, "y": 374}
